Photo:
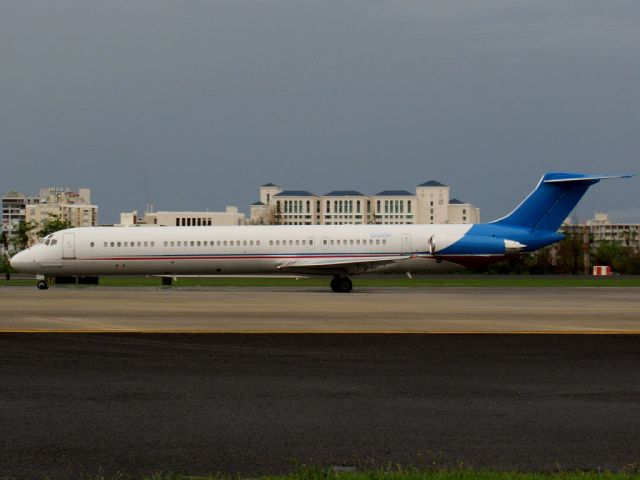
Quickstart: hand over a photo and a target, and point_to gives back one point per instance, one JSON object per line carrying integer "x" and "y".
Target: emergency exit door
{"x": 68, "y": 245}
{"x": 406, "y": 244}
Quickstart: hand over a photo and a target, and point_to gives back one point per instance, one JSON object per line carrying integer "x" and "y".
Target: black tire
{"x": 334, "y": 284}
{"x": 344, "y": 284}
{"x": 42, "y": 285}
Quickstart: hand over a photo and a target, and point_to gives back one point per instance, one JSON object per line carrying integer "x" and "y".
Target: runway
{"x": 315, "y": 310}
{"x": 94, "y": 405}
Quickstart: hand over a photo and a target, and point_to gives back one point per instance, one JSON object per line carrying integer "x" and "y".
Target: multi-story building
{"x": 394, "y": 206}
{"x": 14, "y": 205}
{"x": 344, "y": 206}
{"x": 230, "y": 216}
{"x": 600, "y": 229}
{"x": 433, "y": 203}
{"x": 429, "y": 204}
{"x": 461, "y": 212}
{"x": 295, "y": 207}
{"x": 63, "y": 204}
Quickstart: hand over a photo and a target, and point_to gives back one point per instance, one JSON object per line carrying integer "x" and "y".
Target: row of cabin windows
{"x": 127, "y": 244}
{"x": 356, "y": 241}
{"x": 244, "y": 243}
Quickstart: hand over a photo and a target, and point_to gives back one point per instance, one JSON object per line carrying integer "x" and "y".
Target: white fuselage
{"x": 237, "y": 250}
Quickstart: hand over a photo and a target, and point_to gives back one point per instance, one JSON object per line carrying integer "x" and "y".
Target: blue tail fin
{"x": 552, "y": 201}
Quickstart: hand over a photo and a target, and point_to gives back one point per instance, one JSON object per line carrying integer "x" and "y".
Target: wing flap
{"x": 343, "y": 265}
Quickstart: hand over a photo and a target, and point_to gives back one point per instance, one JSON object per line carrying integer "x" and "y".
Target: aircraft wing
{"x": 349, "y": 265}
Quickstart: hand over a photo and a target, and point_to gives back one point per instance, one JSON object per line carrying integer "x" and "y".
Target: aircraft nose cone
{"x": 18, "y": 262}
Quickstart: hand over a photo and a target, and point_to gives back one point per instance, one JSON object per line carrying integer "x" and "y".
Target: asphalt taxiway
{"x": 143, "y": 380}
{"x": 93, "y": 405}
{"x": 316, "y": 310}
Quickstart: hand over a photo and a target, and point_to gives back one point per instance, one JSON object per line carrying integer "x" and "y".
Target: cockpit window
{"x": 53, "y": 242}
{"x": 46, "y": 242}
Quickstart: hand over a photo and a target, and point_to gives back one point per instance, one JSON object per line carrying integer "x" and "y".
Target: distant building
{"x": 14, "y": 206}
{"x": 64, "y": 204}
{"x": 230, "y": 216}
{"x": 602, "y": 230}
{"x": 461, "y": 212}
{"x": 429, "y": 204}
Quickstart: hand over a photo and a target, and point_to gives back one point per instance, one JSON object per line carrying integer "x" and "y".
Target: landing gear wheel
{"x": 341, "y": 284}
{"x": 42, "y": 285}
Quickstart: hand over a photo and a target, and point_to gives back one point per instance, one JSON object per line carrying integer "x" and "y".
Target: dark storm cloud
{"x": 193, "y": 104}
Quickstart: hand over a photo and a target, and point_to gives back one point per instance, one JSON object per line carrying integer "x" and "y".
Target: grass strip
{"x": 368, "y": 282}
{"x": 312, "y": 474}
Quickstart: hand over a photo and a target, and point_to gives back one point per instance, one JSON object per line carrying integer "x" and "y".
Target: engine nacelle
{"x": 478, "y": 245}
{"x": 511, "y": 247}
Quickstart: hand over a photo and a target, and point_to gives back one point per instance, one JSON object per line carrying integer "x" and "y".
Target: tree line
{"x": 568, "y": 257}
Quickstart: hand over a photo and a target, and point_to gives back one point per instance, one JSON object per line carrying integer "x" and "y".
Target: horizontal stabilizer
{"x": 585, "y": 178}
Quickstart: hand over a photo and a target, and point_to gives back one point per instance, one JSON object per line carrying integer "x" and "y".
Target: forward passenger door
{"x": 68, "y": 246}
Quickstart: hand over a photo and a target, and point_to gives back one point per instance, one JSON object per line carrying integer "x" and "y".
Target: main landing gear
{"x": 42, "y": 285}
{"x": 341, "y": 284}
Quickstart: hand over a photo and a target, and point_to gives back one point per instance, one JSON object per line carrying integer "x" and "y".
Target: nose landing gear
{"x": 42, "y": 285}
{"x": 341, "y": 284}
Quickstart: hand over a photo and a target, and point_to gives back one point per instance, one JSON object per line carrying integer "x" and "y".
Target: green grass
{"x": 369, "y": 282}
{"x": 313, "y": 474}
{"x": 451, "y": 475}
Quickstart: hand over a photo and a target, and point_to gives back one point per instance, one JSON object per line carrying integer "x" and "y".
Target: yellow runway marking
{"x": 335, "y": 332}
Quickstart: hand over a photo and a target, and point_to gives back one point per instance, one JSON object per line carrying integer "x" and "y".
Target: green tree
{"x": 618, "y": 256}
{"x": 570, "y": 255}
{"x": 51, "y": 225}
{"x": 541, "y": 262}
{"x": 19, "y": 238}
{"x": 5, "y": 267}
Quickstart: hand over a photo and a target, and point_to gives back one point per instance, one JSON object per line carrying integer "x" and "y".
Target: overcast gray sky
{"x": 193, "y": 104}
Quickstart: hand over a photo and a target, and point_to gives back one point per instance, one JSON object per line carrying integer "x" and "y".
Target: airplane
{"x": 339, "y": 251}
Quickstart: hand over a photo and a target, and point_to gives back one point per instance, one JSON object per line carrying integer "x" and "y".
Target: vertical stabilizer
{"x": 555, "y": 196}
